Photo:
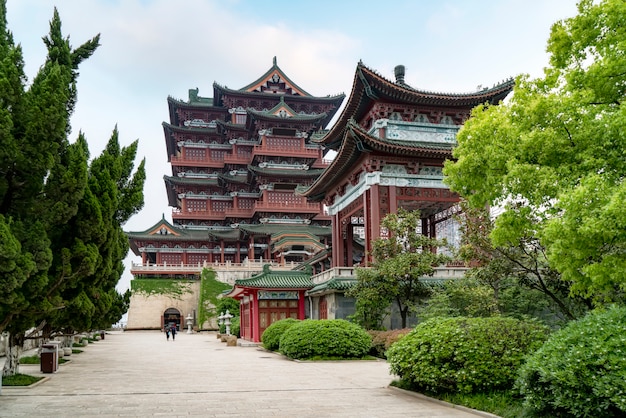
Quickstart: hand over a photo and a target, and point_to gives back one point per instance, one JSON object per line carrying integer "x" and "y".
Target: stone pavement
{"x": 139, "y": 373}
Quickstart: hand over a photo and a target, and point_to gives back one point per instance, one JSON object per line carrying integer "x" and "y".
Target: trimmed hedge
{"x": 382, "y": 340}
{"x": 271, "y": 336}
{"x": 581, "y": 370}
{"x": 465, "y": 355}
{"x": 335, "y": 338}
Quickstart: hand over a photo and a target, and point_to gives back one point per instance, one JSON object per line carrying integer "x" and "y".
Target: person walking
{"x": 173, "y": 329}
{"x": 167, "y": 333}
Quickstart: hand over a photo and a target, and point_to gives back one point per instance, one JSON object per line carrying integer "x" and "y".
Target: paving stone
{"x": 139, "y": 373}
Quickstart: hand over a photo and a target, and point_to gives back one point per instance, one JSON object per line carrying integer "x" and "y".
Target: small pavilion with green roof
{"x": 269, "y": 297}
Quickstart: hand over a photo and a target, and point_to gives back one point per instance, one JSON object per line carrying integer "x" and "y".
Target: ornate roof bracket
{"x": 368, "y": 89}
{"x": 360, "y": 145}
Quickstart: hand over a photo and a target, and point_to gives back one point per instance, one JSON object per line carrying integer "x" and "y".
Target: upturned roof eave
{"x": 368, "y": 86}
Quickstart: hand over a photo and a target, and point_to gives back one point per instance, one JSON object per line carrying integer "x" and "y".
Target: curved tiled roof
{"x": 334, "y": 284}
{"x": 277, "y": 280}
{"x": 369, "y": 86}
{"x": 354, "y": 143}
{"x": 276, "y": 229}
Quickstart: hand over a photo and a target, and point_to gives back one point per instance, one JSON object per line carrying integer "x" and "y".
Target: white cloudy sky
{"x": 155, "y": 48}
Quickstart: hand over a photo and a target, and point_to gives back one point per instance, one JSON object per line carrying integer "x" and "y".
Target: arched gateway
{"x": 170, "y": 317}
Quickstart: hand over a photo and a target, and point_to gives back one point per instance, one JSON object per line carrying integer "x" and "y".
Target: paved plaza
{"x": 139, "y": 373}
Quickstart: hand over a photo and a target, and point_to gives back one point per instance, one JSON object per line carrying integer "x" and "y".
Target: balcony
{"x": 294, "y": 207}
{"x": 272, "y": 151}
{"x": 247, "y": 266}
{"x": 241, "y": 159}
{"x": 196, "y": 162}
{"x": 208, "y": 215}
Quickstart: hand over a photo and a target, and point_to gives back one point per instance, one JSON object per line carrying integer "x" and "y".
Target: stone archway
{"x": 172, "y": 316}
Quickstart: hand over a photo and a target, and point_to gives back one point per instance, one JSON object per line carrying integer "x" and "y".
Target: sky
{"x": 152, "y": 49}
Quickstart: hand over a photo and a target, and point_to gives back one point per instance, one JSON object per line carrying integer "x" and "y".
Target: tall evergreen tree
{"x": 61, "y": 242}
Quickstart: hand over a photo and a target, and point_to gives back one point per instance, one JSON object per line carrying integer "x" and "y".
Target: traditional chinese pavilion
{"x": 391, "y": 142}
{"x": 236, "y": 161}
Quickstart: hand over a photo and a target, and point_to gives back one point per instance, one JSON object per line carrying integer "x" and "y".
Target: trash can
{"x": 49, "y": 358}
{"x": 102, "y": 335}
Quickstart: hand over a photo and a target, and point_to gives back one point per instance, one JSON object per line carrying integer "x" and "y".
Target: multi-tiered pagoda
{"x": 237, "y": 159}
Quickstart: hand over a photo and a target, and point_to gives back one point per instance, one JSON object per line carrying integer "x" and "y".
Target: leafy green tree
{"x": 522, "y": 265}
{"x": 42, "y": 175}
{"x": 553, "y": 157}
{"x": 90, "y": 247}
{"x": 399, "y": 263}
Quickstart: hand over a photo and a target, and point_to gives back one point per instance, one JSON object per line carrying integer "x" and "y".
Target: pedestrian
{"x": 167, "y": 333}
{"x": 173, "y": 332}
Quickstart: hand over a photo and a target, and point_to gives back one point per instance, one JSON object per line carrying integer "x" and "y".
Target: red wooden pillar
{"x": 375, "y": 212}
{"x": 222, "y": 251}
{"x": 367, "y": 227}
{"x": 238, "y": 253}
{"x": 349, "y": 244}
{"x": 301, "y": 305}
{"x": 393, "y": 200}
{"x": 336, "y": 240}
{"x": 254, "y": 313}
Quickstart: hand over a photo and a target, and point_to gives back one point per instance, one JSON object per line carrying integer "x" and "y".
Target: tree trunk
{"x": 12, "y": 362}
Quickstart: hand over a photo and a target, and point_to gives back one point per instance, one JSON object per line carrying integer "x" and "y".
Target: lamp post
{"x": 189, "y": 323}
{"x": 220, "y": 322}
{"x": 227, "y": 317}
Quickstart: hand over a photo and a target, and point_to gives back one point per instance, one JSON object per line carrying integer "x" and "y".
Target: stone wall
{"x": 145, "y": 311}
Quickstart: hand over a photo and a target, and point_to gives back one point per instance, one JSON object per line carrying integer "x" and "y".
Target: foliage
{"x": 235, "y": 327}
{"x": 272, "y": 334}
{"x": 42, "y": 175}
{"x": 210, "y": 289}
{"x": 521, "y": 269}
{"x": 20, "y": 380}
{"x": 382, "y": 340}
{"x": 581, "y": 370}
{"x": 465, "y": 355}
{"x": 227, "y": 304}
{"x": 167, "y": 287}
{"x": 328, "y": 338}
{"x": 462, "y": 297}
{"x": 552, "y": 157}
{"x": 399, "y": 262}
{"x": 30, "y": 359}
{"x": 373, "y": 298}
{"x": 62, "y": 244}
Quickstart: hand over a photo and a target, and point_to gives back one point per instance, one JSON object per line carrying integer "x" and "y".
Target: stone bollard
{"x": 223, "y": 338}
{"x": 231, "y": 341}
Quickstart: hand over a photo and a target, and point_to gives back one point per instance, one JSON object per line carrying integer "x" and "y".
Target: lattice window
{"x": 289, "y": 143}
{"x": 196, "y": 205}
{"x": 195, "y": 154}
{"x": 197, "y": 258}
{"x": 284, "y": 198}
{"x": 217, "y": 155}
{"x": 220, "y": 205}
{"x": 171, "y": 258}
{"x": 246, "y": 203}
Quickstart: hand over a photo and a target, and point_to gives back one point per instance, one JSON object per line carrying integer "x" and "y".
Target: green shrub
{"x": 465, "y": 355}
{"x": 581, "y": 370}
{"x": 235, "y": 327}
{"x": 325, "y": 338}
{"x": 382, "y": 340}
{"x": 271, "y": 336}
